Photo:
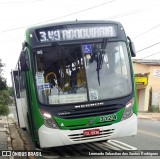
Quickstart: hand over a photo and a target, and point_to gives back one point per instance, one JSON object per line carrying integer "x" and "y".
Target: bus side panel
{"x": 24, "y": 106}
{"x": 20, "y": 113}
{"x": 25, "y": 102}
{"x": 18, "y": 100}
{"x": 30, "y": 106}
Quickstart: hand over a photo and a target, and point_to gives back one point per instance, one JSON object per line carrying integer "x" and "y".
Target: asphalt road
{"x": 147, "y": 138}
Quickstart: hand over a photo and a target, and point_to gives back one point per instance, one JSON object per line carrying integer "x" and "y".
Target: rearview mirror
{"x": 24, "y": 61}
{"x": 132, "y": 47}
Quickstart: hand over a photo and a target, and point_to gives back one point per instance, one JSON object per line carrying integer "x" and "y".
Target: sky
{"x": 140, "y": 19}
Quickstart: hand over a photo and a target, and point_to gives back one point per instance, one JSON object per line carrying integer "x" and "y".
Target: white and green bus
{"x": 74, "y": 83}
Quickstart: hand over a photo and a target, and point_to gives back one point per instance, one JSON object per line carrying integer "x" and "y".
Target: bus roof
{"x": 75, "y": 22}
{"x": 74, "y": 30}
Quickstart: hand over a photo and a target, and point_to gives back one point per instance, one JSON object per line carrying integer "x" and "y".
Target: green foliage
{"x": 5, "y": 93}
{"x": 4, "y": 101}
{"x": 4, "y": 110}
{"x": 3, "y": 84}
{"x": 11, "y": 91}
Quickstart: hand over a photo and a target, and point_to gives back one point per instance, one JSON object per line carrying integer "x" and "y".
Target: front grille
{"x": 81, "y": 137}
{"x": 88, "y": 112}
{"x": 82, "y": 126}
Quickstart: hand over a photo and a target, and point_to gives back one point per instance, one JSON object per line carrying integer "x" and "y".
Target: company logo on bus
{"x": 89, "y": 105}
{"x": 91, "y": 122}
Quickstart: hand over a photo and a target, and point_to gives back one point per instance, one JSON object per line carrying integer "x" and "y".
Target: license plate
{"x": 92, "y": 132}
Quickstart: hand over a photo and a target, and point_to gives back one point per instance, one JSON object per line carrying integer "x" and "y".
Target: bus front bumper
{"x": 55, "y": 137}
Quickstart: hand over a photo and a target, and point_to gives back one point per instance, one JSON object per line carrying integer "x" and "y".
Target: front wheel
{"x": 37, "y": 146}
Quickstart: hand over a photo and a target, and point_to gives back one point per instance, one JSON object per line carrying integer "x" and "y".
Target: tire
{"x": 37, "y": 146}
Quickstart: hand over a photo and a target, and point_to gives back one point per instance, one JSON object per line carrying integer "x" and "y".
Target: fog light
{"x": 51, "y": 123}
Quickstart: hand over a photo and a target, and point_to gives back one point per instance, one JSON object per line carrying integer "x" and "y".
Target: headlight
{"x": 128, "y": 109}
{"x": 48, "y": 120}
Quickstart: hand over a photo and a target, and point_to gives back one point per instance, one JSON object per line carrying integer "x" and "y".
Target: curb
{"x": 149, "y": 118}
{"x": 17, "y": 140}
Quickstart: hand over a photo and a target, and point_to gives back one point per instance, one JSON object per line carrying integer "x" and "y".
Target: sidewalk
{"x": 5, "y": 140}
{"x": 149, "y": 116}
{"x": 10, "y": 138}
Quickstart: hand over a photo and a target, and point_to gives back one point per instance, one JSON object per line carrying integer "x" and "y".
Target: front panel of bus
{"x": 84, "y": 83}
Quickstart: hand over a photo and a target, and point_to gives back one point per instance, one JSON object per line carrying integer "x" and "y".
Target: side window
{"x": 22, "y": 85}
{"x": 21, "y": 80}
{"x": 16, "y": 83}
{"x": 120, "y": 65}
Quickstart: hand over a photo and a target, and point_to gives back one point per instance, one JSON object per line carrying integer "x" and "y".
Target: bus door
{"x": 18, "y": 103}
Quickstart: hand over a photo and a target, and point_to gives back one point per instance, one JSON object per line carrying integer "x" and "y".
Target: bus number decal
{"x": 108, "y": 118}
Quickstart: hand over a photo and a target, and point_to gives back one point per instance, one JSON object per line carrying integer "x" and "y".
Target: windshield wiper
{"x": 99, "y": 65}
{"x": 100, "y": 57}
{"x": 65, "y": 52}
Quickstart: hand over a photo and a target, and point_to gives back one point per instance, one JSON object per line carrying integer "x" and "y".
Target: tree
{"x": 4, "y": 93}
{"x": 3, "y": 84}
{"x": 4, "y": 101}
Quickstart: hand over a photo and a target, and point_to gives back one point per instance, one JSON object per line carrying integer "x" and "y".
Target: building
{"x": 147, "y": 77}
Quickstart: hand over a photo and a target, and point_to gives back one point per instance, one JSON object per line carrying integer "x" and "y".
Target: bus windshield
{"x": 85, "y": 72}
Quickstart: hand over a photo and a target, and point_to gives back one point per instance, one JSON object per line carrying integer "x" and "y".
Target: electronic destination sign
{"x": 76, "y": 32}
